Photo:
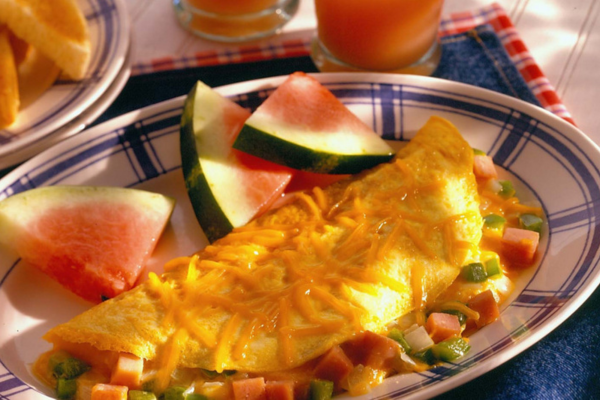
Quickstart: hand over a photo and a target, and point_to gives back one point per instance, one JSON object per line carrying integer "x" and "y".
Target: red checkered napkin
{"x": 493, "y": 15}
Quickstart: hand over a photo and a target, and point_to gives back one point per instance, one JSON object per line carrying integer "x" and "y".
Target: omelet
{"x": 284, "y": 289}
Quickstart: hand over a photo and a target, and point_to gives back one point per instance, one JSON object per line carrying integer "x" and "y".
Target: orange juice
{"x": 232, "y": 7}
{"x": 378, "y": 35}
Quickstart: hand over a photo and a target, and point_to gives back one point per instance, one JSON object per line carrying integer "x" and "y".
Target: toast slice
{"x": 57, "y": 28}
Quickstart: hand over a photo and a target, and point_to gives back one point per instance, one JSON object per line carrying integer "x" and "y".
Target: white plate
{"x": 108, "y": 24}
{"x": 141, "y": 149}
{"x": 77, "y": 124}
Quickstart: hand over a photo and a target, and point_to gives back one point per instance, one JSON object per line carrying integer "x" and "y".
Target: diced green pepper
{"x": 57, "y": 358}
{"x": 450, "y": 349}
{"x": 492, "y": 267}
{"x": 426, "y": 356}
{"x": 398, "y": 336}
{"x": 506, "y": 189}
{"x": 64, "y": 366}
{"x": 531, "y": 222}
{"x": 196, "y": 396}
{"x": 66, "y": 389}
{"x": 174, "y": 393}
{"x": 478, "y": 152}
{"x": 462, "y": 318}
{"x": 140, "y": 395}
{"x": 321, "y": 389}
{"x": 494, "y": 221}
{"x": 474, "y": 272}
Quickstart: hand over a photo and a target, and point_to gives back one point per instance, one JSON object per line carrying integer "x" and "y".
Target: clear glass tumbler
{"x": 377, "y": 35}
{"x": 234, "y": 20}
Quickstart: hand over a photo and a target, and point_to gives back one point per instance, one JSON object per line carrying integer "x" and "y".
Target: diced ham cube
{"x": 370, "y": 349}
{"x": 442, "y": 326}
{"x": 520, "y": 245}
{"x": 102, "y": 391}
{"x": 334, "y": 366}
{"x": 483, "y": 167}
{"x": 279, "y": 390}
{"x": 487, "y": 307}
{"x": 249, "y": 389}
{"x": 128, "y": 371}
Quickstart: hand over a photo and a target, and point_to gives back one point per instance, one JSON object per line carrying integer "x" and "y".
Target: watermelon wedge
{"x": 92, "y": 240}
{"x": 302, "y": 125}
{"x": 227, "y": 188}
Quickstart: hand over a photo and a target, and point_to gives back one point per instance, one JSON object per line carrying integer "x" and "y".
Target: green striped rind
{"x": 208, "y": 211}
{"x": 280, "y": 151}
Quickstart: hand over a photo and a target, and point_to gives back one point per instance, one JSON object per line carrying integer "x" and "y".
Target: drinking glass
{"x": 377, "y": 35}
{"x": 234, "y": 20}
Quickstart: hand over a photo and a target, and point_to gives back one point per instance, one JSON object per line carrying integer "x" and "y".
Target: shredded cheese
{"x": 226, "y": 341}
{"x": 283, "y": 321}
{"x": 312, "y": 277}
{"x": 170, "y": 358}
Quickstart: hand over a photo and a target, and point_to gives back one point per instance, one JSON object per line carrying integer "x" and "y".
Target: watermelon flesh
{"x": 303, "y": 125}
{"x": 93, "y": 241}
{"x": 303, "y": 105}
{"x": 303, "y": 180}
{"x": 263, "y": 182}
{"x": 256, "y": 181}
{"x": 227, "y": 188}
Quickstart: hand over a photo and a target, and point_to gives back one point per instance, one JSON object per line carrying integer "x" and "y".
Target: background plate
{"x": 77, "y": 124}
{"x": 108, "y": 24}
{"x": 539, "y": 151}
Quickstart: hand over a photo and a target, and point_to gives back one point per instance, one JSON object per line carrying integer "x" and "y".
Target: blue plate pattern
{"x": 536, "y": 149}
{"x": 66, "y": 99}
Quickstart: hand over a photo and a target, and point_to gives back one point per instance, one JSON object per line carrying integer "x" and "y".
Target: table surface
{"x": 563, "y": 36}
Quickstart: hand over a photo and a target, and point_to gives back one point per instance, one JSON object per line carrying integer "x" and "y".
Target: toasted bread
{"x": 9, "y": 87}
{"x": 57, "y": 28}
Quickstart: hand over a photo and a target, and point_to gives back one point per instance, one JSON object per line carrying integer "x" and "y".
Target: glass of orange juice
{"x": 377, "y": 35}
{"x": 234, "y": 20}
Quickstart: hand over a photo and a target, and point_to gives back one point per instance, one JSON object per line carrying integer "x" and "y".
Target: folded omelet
{"x": 309, "y": 275}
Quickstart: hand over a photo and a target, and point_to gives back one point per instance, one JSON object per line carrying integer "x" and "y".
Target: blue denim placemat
{"x": 477, "y": 57}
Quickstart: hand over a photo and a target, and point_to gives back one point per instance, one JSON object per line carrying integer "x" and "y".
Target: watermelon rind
{"x": 282, "y": 150}
{"x": 226, "y": 188}
{"x": 302, "y": 125}
{"x": 209, "y": 213}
